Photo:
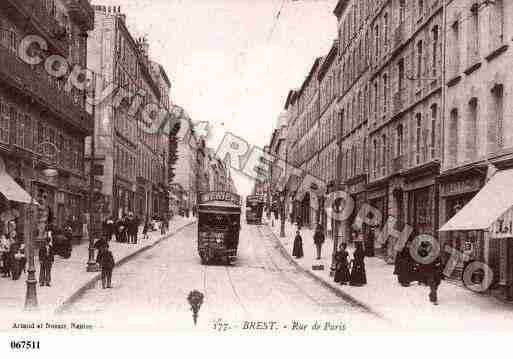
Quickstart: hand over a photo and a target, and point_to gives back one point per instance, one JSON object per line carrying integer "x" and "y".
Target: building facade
{"x": 133, "y": 157}
{"x": 44, "y": 121}
{"x": 478, "y": 129}
{"x": 304, "y": 142}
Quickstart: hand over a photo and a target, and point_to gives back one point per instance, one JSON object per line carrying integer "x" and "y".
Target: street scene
{"x": 280, "y": 167}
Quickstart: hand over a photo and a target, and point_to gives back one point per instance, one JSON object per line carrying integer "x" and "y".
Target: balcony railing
{"x": 44, "y": 22}
{"x": 423, "y": 155}
{"x": 41, "y": 87}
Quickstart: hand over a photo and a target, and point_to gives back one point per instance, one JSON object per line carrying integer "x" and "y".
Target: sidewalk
{"x": 69, "y": 275}
{"x": 407, "y": 307}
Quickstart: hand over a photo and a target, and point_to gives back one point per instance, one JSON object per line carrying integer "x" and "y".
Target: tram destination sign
{"x": 219, "y": 196}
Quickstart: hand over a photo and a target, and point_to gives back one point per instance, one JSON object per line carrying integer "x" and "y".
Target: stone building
{"x": 131, "y": 154}
{"x": 43, "y": 116}
{"x": 478, "y": 133}
{"x": 304, "y": 142}
{"x": 329, "y": 127}
{"x": 186, "y": 167}
{"x": 161, "y": 78}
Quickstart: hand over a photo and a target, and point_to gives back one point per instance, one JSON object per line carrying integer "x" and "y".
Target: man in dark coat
{"x": 46, "y": 261}
{"x": 369, "y": 243}
{"x": 318, "y": 240}
{"x": 106, "y": 261}
{"x": 132, "y": 227}
{"x": 433, "y": 273}
{"x": 108, "y": 228}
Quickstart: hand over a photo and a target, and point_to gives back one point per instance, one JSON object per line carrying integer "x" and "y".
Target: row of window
{"x": 22, "y": 130}
{"x": 467, "y": 148}
{"x": 423, "y": 144}
{"x": 470, "y": 25}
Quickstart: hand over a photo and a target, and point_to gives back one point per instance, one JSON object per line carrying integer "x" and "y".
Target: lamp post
{"x": 282, "y": 210}
{"x": 31, "y": 289}
{"x": 91, "y": 263}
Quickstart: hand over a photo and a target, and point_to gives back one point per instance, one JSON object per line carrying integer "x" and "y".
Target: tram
{"x": 218, "y": 226}
{"x": 254, "y": 209}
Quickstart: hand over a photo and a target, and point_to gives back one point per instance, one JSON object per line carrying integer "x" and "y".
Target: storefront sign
{"x": 219, "y": 196}
{"x": 459, "y": 187}
{"x": 503, "y": 227}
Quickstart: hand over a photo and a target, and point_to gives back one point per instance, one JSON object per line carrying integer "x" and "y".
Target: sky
{"x": 230, "y": 62}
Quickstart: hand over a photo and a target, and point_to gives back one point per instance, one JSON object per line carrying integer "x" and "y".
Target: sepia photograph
{"x": 242, "y": 167}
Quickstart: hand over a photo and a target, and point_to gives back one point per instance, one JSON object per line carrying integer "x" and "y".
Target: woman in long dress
{"x": 404, "y": 267}
{"x": 342, "y": 275}
{"x": 297, "y": 250}
{"x": 358, "y": 276}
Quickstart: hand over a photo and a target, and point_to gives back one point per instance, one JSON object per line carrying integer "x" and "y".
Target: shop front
{"x": 480, "y": 226}
{"x": 377, "y": 197}
{"x": 455, "y": 194}
{"x": 124, "y": 198}
{"x": 422, "y": 211}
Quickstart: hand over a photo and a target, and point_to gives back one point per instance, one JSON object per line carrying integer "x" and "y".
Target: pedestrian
{"x": 369, "y": 243}
{"x": 342, "y": 274}
{"x": 5, "y": 245}
{"x": 297, "y": 250}
{"x": 106, "y": 261}
{"x": 18, "y": 261}
{"x": 108, "y": 228}
{"x": 358, "y": 275}
{"x": 433, "y": 275}
{"x": 119, "y": 229}
{"x": 404, "y": 266}
{"x": 146, "y": 227}
{"x": 46, "y": 256}
{"x": 132, "y": 226}
{"x": 318, "y": 239}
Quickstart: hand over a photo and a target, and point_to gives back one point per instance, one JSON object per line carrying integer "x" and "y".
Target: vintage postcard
{"x": 255, "y": 167}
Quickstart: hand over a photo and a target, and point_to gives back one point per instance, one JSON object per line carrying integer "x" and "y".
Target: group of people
{"x": 12, "y": 253}
{"x": 409, "y": 270}
{"x": 126, "y": 227}
{"x": 347, "y": 271}
{"x": 352, "y": 271}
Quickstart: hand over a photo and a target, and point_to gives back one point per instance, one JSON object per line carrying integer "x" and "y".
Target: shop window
{"x": 495, "y": 126}
{"x": 453, "y": 138}
{"x": 402, "y": 11}
{"x": 471, "y": 135}
{"x": 454, "y": 55}
{"x": 419, "y": 59}
{"x": 418, "y": 118}
{"x": 434, "y": 114}
{"x": 496, "y": 24}
{"x": 435, "y": 49}
{"x": 399, "y": 139}
{"x": 473, "y": 38}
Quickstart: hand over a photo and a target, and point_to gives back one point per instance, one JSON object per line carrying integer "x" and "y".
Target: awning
{"x": 495, "y": 198}
{"x": 11, "y": 190}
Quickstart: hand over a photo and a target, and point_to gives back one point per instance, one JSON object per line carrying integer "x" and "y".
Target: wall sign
{"x": 459, "y": 187}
